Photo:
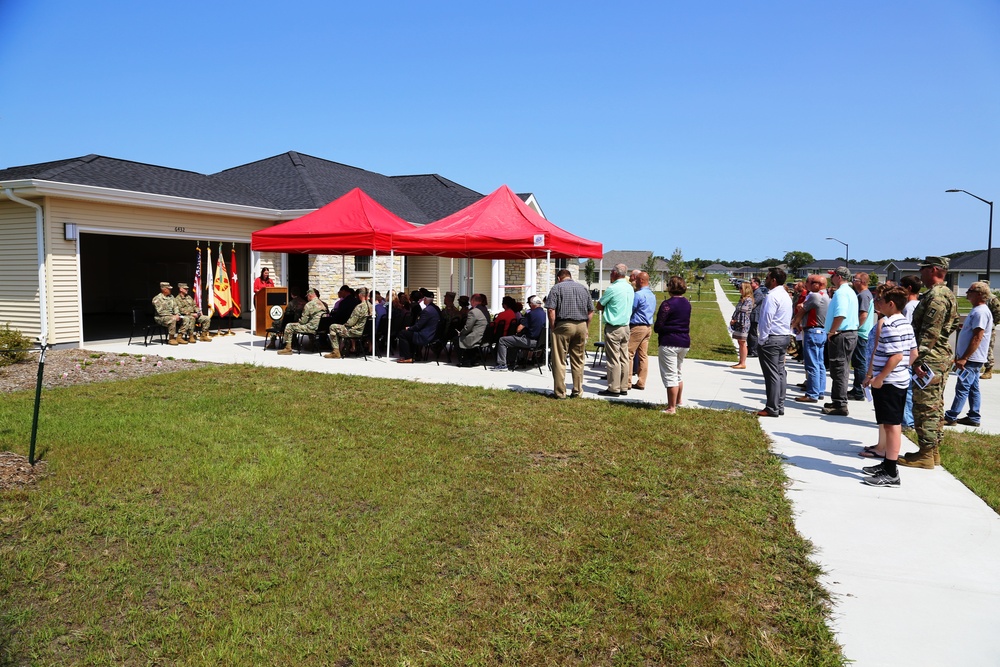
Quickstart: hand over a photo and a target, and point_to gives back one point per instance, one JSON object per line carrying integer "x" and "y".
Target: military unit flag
{"x": 234, "y": 284}
{"x": 222, "y": 298}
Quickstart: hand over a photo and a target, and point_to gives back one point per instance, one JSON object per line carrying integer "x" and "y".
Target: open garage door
{"x": 119, "y": 273}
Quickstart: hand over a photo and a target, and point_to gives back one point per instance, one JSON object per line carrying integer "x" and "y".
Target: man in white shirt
{"x": 773, "y": 335}
{"x": 971, "y": 352}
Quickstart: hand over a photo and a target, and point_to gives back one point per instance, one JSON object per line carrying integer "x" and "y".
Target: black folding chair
{"x": 143, "y": 322}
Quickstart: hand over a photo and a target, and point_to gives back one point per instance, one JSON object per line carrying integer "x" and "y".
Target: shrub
{"x": 14, "y": 346}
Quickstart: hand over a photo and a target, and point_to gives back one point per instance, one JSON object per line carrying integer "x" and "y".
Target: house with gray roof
{"x": 633, "y": 259}
{"x": 970, "y": 268}
{"x": 896, "y": 270}
{"x": 85, "y": 241}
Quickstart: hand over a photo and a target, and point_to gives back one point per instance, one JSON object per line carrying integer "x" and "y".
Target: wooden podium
{"x": 266, "y": 300}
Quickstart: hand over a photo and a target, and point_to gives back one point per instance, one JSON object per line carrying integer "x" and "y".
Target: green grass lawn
{"x": 710, "y": 338}
{"x": 241, "y": 515}
{"x": 974, "y": 458}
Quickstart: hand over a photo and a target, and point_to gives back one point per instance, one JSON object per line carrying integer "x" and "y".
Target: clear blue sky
{"x": 730, "y": 129}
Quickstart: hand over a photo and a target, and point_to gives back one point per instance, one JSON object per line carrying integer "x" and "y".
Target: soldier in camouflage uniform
{"x": 188, "y": 311}
{"x": 167, "y": 314}
{"x": 934, "y": 320}
{"x": 308, "y": 321}
{"x": 354, "y": 327}
{"x": 993, "y": 303}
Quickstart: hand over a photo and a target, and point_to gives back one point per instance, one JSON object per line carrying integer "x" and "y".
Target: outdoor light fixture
{"x": 989, "y": 238}
{"x": 70, "y": 232}
{"x": 847, "y": 251}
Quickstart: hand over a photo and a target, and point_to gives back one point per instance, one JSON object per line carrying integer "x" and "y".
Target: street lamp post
{"x": 989, "y": 239}
{"x": 847, "y": 251}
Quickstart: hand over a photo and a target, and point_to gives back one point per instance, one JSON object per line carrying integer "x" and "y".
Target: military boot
{"x": 205, "y": 338}
{"x": 192, "y": 340}
{"x": 923, "y": 458}
{"x": 937, "y": 456}
{"x": 288, "y": 347}
{"x": 987, "y": 374}
{"x": 172, "y": 341}
{"x": 181, "y": 340}
{"x": 333, "y": 355}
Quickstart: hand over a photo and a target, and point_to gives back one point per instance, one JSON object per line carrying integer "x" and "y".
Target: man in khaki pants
{"x": 617, "y": 306}
{"x": 570, "y": 310}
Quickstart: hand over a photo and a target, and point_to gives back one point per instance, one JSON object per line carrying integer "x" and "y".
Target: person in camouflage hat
{"x": 167, "y": 314}
{"x": 993, "y": 303}
{"x": 934, "y": 320}
{"x": 308, "y": 321}
{"x": 354, "y": 327}
{"x": 191, "y": 316}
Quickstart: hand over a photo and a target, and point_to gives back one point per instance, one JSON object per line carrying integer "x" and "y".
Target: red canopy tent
{"x": 498, "y": 226}
{"x": 354, "y": 224}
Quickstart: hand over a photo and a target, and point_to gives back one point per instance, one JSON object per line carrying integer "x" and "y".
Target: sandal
{"x": 871, "y": 452}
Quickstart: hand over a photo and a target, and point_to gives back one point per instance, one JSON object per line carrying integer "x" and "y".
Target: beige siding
{"x": 422, "y": 272}
{"x": 19, "y": 304}
{"x": 95, "y": 217}
{"x": 482, "y": 278}
{"x": 272, "y": 261}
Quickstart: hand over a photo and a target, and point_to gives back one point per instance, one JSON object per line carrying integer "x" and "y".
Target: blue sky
{"x": 730, "y": 129}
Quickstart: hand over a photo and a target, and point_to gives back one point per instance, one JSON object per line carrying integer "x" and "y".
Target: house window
{"x": 362, "y": 264}
{"x": 562, "y": 264}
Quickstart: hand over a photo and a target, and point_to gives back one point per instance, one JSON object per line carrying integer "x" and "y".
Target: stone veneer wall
{"x": 514, "y": 275}
{"x": 326, "y": 274}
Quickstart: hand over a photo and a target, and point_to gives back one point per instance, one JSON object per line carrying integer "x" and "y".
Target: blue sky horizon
{"x": 731, "y": 130}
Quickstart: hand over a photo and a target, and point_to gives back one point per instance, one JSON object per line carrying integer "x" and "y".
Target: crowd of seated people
{"x": 406, "y": 323}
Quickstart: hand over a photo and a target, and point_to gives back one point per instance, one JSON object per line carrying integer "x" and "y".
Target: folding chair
{"x": 144, "y": 322}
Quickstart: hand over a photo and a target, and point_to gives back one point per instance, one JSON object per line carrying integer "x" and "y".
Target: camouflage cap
{"x": 979, "y": 287}
{"x": 933, "y": 260}
{"x": 182, "y": 286}
{"x": 312, "y": 292}
{"x": 162, "y": 285}
{"x": 843, "y": 272}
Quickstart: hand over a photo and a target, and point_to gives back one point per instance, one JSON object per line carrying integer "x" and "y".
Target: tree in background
{"x": 649, "y": 266}
{"x": 676, "y": 266}
{"x": 796, "y": 259}
{"x": 590, "y": 272}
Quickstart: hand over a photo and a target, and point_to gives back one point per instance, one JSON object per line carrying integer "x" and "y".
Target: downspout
{"x": 39, "y": 231}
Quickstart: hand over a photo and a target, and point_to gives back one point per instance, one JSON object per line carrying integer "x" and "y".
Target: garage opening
{"x": 119, "y": 273}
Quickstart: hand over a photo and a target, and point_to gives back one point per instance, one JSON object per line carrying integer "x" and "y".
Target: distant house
{"x": 633, "y": 259}
{"x": 717, "y": 268}
{"x": 969, "y": 268}
{"x": 897, "y": 270}
{"x": 747, "y": 272}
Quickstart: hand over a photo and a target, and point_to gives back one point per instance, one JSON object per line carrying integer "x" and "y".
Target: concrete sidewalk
{"x": 915, "y": 569}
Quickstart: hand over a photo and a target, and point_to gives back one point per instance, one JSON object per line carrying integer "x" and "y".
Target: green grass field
{"x": 710, "y": 338}
{"x": 242, "y": 515}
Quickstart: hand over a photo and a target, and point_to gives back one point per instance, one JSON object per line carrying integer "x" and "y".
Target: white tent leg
{"x": 388, "y": 325}
{"x": 548, "y": 263}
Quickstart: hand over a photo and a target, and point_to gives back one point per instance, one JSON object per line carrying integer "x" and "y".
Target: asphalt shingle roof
{"x": 106, "y": 172}
{"x": 435, "y": 195}
{"x": 976, "y": 261}
{"x": 633, "y": 259}
{"x": 290, "y": 181}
